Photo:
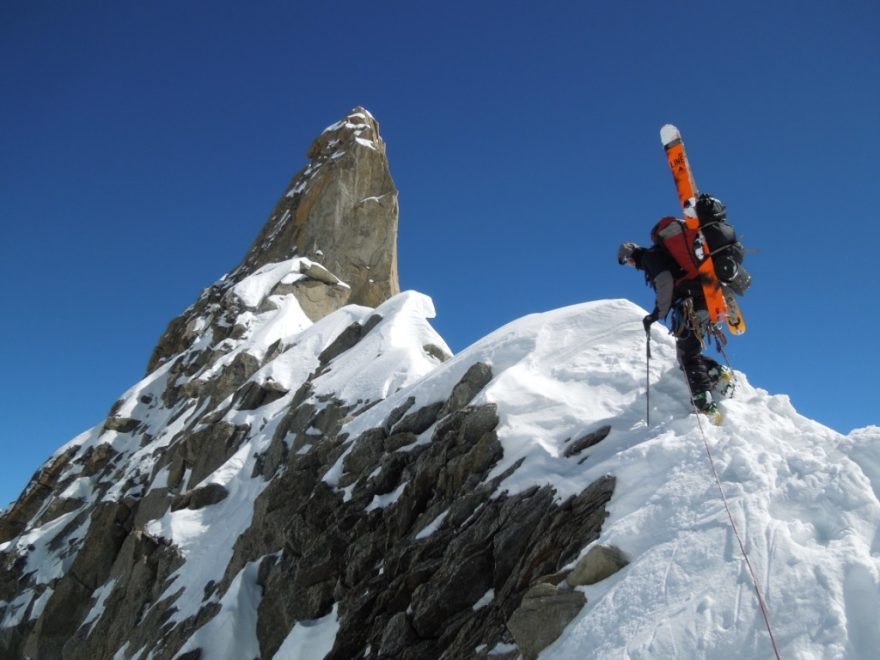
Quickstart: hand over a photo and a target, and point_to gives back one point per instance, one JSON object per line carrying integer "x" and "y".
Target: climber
{"x": 690, "y": 321}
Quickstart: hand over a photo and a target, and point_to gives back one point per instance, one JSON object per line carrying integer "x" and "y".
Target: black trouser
{"x": 695, "y": 365}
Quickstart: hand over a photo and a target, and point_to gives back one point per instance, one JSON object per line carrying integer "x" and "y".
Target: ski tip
{"x": 669, "y": 134}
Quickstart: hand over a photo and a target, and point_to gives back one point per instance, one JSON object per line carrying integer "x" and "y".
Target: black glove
{"x": 648, "y": 321}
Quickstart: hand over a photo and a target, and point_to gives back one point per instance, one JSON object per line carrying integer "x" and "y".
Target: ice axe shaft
{"x": 648, "y": 375}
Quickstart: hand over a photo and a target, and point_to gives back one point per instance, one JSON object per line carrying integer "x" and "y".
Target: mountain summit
{"x": 307, "y": 472}
{"x": 341, "y": 210}
{"x": 338, "y": 216}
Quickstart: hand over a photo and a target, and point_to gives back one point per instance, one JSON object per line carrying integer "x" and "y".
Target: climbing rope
{"x": 692, "y": 320}
{"x": 742, "y": 546}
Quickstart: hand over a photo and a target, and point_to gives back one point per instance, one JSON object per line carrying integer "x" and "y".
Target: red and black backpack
{"x": 715, "y": 237}
{"x": 683, "y": 244}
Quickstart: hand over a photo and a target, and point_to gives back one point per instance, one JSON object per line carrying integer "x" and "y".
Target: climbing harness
{"x": 686, "y": 319}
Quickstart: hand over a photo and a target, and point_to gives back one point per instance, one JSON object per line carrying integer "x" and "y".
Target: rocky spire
{"x": 338, "y": 215}
{"x": 341, "y": 211}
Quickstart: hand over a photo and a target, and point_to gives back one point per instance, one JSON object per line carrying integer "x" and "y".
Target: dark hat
{"x": 626, "y": 250}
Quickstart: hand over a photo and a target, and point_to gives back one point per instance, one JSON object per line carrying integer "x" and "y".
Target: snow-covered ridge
{"x": 804, "y": 496}
{"x": 143, "y": 427}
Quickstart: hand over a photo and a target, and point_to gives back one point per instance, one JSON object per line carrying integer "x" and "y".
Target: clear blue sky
{"x": 144, "y": 144}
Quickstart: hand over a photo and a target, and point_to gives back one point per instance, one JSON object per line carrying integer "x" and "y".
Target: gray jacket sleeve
{"x": 663, "y": 285}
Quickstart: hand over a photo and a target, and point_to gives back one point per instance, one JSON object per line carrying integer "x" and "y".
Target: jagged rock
{"x": 254, "y": 395}
{"x": 58, "y": 507}
{"x": 318, "y": 299}
{"x": 587, "y": 441}
{"x": 340, "y": 211}
{"x": 153, "y": 505}
{"x": 418, "y": 421}
{"x": 141, "y": 568}
{"x": 121, "y": 424}
{"x": 398, "y": 440}
{"x": 436, "y": 352}
{"x": 172, "y": 342}
{"x": 274, "y": 618}
{"x": 91, "y": 566}
{"x": 599, "y": 563}
{"x": 348, "y": 338}
{"x": 96, "y": 458}
{"x": 366, "y": 452}
{"x": 453, "y": 588}
{"x": 206, "y": 449}
{"x": 374, "y": 566}
{"x": 397, "y": 636}
{"x": 475, "y": 379}
{"x": 200, "y": 497}
{"x": 398, "y": 413}
{"x": 542, "y": 616}
{"x": 243, "y": 366}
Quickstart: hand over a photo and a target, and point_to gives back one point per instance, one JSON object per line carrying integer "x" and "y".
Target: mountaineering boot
{"x": 706, "y": 406}
{"x": 722, "y": 379}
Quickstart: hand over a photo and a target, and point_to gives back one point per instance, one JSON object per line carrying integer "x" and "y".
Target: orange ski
{"x": 717, "y": 302}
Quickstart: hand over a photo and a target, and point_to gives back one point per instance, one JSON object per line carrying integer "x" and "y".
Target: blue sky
{"x": 144, "y": 145}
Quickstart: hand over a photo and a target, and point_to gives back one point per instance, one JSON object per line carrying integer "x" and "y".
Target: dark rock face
{"x": 407, "y": 575}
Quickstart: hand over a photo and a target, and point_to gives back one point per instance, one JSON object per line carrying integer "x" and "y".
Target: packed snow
{"x": 804, "y": 497}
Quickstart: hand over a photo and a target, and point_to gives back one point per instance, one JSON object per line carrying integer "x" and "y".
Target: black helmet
{"x": 626, "y": 251}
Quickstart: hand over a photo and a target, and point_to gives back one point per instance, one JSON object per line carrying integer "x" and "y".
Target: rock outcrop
{"x": 542, "y": 616}
{"x": 549, "y": 606}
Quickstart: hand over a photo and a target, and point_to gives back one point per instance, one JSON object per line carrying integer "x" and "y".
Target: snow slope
{"x": 804, "y": 497}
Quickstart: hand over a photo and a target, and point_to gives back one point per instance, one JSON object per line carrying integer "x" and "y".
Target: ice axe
{"x": 648, "y": 374}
